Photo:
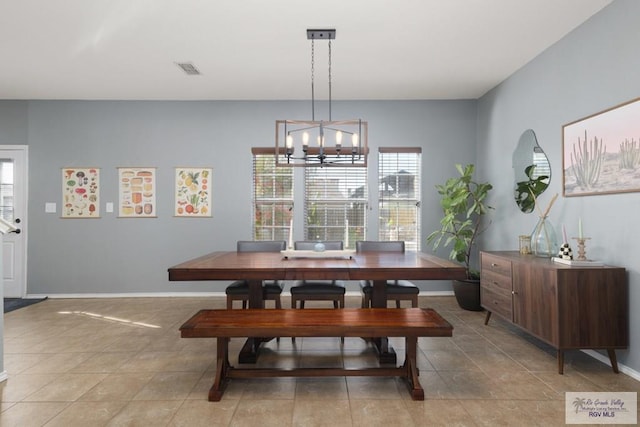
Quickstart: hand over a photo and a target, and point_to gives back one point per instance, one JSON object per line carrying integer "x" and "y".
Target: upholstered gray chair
{"x": 239, "y": 290}
{"x": 397, "y": 290}
{"x": 317, "y": 290}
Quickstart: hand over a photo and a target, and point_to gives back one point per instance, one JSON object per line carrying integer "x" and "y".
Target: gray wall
{"x": 594, "y": 68}
{"x": 127, "y": 255}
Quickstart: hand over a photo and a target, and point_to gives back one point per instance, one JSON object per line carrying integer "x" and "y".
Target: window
{"x": 272, "y": 196}
{"x": 335, "y": 204}
{"x": 6, "y": 189}
{"x": 399, "y": 180}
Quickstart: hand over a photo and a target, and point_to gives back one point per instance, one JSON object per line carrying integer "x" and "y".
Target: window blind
{"x": 335, "y": 204}
{"x": 399, "y": 178}
{"x": 272, "y": 196}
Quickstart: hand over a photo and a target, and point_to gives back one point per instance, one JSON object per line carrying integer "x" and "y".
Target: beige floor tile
{"x": 31, "y": 414}
{"x": 432, "y": 412}
{"x": 169, "y": 386}
{"x": 448, "y": 360}
{"x": 17, "y": 363}
{"x": 374, "y": 413}
{"x": 378, "y": 388}
{"x": 197, "y": 413}
{"x": 59, "y": 363}
{"x": 18, "y": 387}
{"x": 468, "y": 385}
{"x": 107, "y": 362}
{"x": 118, "y": 387}
{"x": 269, "y": 388}
{"x": 512, "y": 412}
{"x": 263, "y": 413}
{"x": 520, "y": 385}
{"x": 83, "y": 414}
{"x": 145, "y": 414}
{"x": 149, "y": 361}
{"x": 320, "y": 413}
{"x": 334, "y": 388}
{"x": 66, "y": 388}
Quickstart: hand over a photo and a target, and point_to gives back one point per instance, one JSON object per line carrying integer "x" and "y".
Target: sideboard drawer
{"x": 498, "y": 302}
{"x": 492, "y": 280}
{"x": 495, "y": 264}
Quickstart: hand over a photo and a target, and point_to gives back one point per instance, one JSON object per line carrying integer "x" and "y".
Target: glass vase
{"x": 544, "y": 242}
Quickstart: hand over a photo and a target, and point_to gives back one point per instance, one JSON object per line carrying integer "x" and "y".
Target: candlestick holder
{"x": 582, "y": 253}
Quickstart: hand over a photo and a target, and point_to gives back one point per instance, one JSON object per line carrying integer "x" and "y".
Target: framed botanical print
{"x": 137, "y": 192}
{"x": 80, "y": 192}
{"x": 192, "y": 192}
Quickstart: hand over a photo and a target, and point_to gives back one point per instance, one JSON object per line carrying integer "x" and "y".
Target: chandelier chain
{"x": 329, "y": 80}
{"x": 313, "y": 99}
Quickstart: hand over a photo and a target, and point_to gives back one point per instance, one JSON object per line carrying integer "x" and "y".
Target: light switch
{"x": 50, "y": 207}
{"x": 109, "y": 207}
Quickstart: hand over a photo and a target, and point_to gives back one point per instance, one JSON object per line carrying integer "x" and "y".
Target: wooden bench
{"x": 409, "y": 323}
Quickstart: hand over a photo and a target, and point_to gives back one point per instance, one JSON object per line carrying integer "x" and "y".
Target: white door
{"x": 13, "y": 208}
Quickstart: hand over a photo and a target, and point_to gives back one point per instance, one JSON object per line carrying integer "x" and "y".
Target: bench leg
{"x": 222, "y": 368}
{"x": 411, "y": 366}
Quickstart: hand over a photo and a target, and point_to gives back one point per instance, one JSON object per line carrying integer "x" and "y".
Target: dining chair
{"x": 317, "y": 290}
{"x": 398, "y": 290}
{"x": 271, "y": 289}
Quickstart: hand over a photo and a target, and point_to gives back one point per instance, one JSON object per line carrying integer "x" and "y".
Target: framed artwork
{"x": 193, "y": 192}
{"x": 136, "y": 192}
{"x": 80, "y": 192}
{"x": 601, "y": 152}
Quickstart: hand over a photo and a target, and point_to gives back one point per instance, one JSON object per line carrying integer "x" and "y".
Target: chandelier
{"x": 321, "y": 142}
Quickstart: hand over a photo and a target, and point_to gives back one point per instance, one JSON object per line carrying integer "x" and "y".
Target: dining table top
{"x": 233, "y": 265}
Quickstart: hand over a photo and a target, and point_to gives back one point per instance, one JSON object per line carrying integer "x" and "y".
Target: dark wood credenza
{"x": 567, "y": 307}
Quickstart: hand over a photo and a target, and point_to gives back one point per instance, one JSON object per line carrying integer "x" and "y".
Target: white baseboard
{"x": 3, "y": 376}
{"x": 605, "y": 359}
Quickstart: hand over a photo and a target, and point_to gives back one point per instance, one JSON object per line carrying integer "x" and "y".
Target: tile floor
{"x": 121, "y": 362}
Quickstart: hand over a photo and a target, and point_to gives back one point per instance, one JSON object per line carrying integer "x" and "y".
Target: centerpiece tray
{"x": 290, "y": 253}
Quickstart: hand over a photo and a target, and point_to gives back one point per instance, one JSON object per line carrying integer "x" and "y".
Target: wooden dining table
{"x": 254, "y": 267}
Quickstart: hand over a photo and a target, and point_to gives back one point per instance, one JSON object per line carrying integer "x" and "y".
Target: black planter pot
{"x": 467, "y": 294}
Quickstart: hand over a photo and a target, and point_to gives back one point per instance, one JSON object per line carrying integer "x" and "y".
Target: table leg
{"x": 249, "y": 351}
{"x": 222, "y": 367}
{"x": 386, "y": 353}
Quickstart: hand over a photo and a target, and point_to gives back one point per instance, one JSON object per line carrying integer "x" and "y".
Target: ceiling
{"x": 258, "y": 50}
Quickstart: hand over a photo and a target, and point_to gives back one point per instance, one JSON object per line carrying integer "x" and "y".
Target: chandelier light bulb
{"x": 338, "y": 138}
{"x": 289, "y": 141}
{"x": 305, "y": 138}
{"x": 354, "y": 139}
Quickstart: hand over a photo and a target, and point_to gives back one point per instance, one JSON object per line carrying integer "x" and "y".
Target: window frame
{"x": 392, "y": 199}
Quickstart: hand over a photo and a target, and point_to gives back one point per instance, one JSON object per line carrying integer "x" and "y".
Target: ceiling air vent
{"x": 188, "y": 68}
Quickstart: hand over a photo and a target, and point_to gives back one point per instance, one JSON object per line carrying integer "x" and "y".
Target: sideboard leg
{"x": 487, "y": 317}
{"x": 561, "y": 362}
{"x": 613, "y": 359}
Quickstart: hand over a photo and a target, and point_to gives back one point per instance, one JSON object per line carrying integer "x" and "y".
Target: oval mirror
{"x": 532, "y": 171}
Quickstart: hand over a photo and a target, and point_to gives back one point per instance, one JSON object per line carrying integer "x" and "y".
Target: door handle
{"x": 17, "y": 230}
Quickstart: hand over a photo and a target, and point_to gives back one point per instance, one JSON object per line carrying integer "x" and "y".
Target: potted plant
{"x": 464, "y": 205}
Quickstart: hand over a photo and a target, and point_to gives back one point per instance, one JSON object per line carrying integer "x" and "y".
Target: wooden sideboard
{"x": 565, "y": 306}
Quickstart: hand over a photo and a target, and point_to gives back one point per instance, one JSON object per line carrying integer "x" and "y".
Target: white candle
{"x": 580, "y": 235}
{"x": 346, "y": 233}
{"x": 291, "y": 234}
{"x": 564, "y": 234}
